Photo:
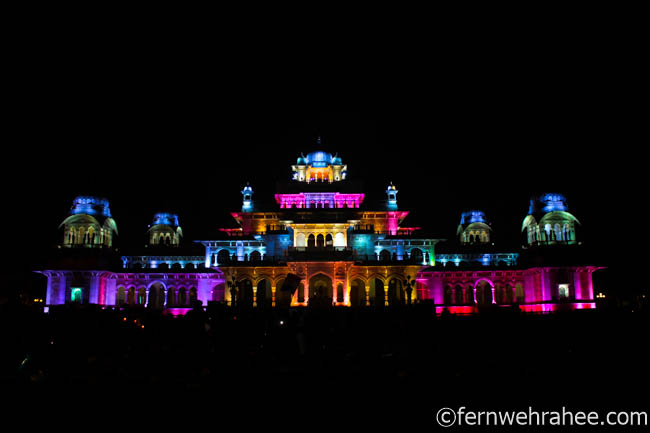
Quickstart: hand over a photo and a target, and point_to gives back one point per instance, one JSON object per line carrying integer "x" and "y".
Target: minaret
{"x": 392, "y": 196}
{"x": 247, "y": 204}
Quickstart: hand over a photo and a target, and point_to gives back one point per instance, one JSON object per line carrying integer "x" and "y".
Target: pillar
{"x": 367, "y": 294}
{"x": 273, "y": 294}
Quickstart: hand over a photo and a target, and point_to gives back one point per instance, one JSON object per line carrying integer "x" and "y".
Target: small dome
{"x": 301, "y": 161}
{"x": 337, "y": 160}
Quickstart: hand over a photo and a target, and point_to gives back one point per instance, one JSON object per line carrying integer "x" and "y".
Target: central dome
{"x": 319, "y": 158}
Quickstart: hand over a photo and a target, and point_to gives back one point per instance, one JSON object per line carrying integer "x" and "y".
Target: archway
{"x": 395, "y": 292}
{"x": 121, "y": 296}
{"x": 320, "y": 290}
{"x": 255, "y": 256}
{"x": 245, "y": 293}
{"x": 264, "y": 294}
{"x": 340, "y": 293}
{"x": 357, "y": 293}
{"x": 447, "y": 295}
{"x": 384, "y": 256}
{"x": 282, "y": 297}
{"x": 156, "y": 296}
{"x": 300, "y": 240}
{"x": 377, "y": 292}
{"x": 459, "y": 299}
{"x": 130, "y": 297}
{"x": 171, "y": 297}
{"x": 416, "y": 255}
{"x": 329, "y": 240}
{"x": 311, "y": 241}
{"x": 484, "y": 292}
{"x": 182, "y": 297}
{"x": 223, "y": 257}
{"x": 320, "y": 241}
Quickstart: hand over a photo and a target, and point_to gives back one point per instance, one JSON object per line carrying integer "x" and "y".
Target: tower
{"x": 392, "y": 196}
{"x": 247, "y": 203}
{"x": 89, "y": 224}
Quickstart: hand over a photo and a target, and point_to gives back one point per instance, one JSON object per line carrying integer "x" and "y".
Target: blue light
{"x": 165, "y": 218}
{"x": 90, "y": 206}
{"x": 554, "y": 202}
{"x": 319, "y": 159}
{"x": 473, "y": 216}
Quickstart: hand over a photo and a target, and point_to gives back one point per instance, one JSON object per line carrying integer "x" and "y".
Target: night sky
{"x": 188, "y": 143}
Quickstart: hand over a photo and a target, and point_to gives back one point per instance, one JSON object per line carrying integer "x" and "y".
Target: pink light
{"x": 457, "y": 309}
{"x": 177, "y": 311}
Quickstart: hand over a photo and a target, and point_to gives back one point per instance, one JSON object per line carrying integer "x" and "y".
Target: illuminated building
{"x": 324, "y": 245}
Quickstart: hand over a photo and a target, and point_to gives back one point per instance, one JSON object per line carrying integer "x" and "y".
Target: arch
{"x": 447, "y": 295}
{"x": 508, "y": 294}
{"x": 282, "y": 298}
{"x": 182, "y": 297}
{"x": 339, "y": 240}
{"x": 484, "y": 291}
{"x": 141, "y": 298}
{"x": 255, "y": 256}
{"x": 377, "y": 292}
{"x": 300, "y": 240}
{"x": 417, "y": 255}
{"x": 301, "y": 292}
{"x": 320, "y": 290}
{"x": 176, "y": 266}
{"x": 320, "y": 241}
{"x": 519, "y": 293}
{"x": 459, "y": 299}
{"x": 171, "y": 297}
{"x": 192, "y": 295}
{"x": 329, "y": 240}
{"x": 357, "y": 293}
{"x": 264, "y": 294}
{"x": 395, "y": 291}
{"x": 156, "y": 296}
{"x": 130, "y": 296}
{"x": 223, "y": 256}
{"x": 384, "y": 256}
{"x": 190, "y": 266}
{"x": 311, "y": 241}
{"x": 245, "y": 293}
{"x": 120, "y": 298}
{"x": 469, "y": 295}
{"x": 340, "y": 293}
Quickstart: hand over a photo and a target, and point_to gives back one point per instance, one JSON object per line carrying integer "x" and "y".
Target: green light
{"x": 76, "y": 294}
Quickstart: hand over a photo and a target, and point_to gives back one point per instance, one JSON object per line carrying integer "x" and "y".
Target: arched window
{"x": 223, "y": 257}
{"x": 320, "y": 241}
{"x": 300, "y": 240}
{"x": 311, "y": 241}
{"x": 255, "y": 256}
{"x": 416, "y": 255}
{"x": 339, "y": 240}
{"x": 384, "y": 256}
{"x": 329, "y": 241}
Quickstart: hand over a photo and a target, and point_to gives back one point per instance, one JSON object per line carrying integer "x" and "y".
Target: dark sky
{"x": 150, "y": 138}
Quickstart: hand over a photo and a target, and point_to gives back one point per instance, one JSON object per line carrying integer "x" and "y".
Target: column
{"x": 367, "y": 294}
{"x": 306, "y": 291}
{"x": 255, "y": 295}
{"x": 273, "y": 294}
